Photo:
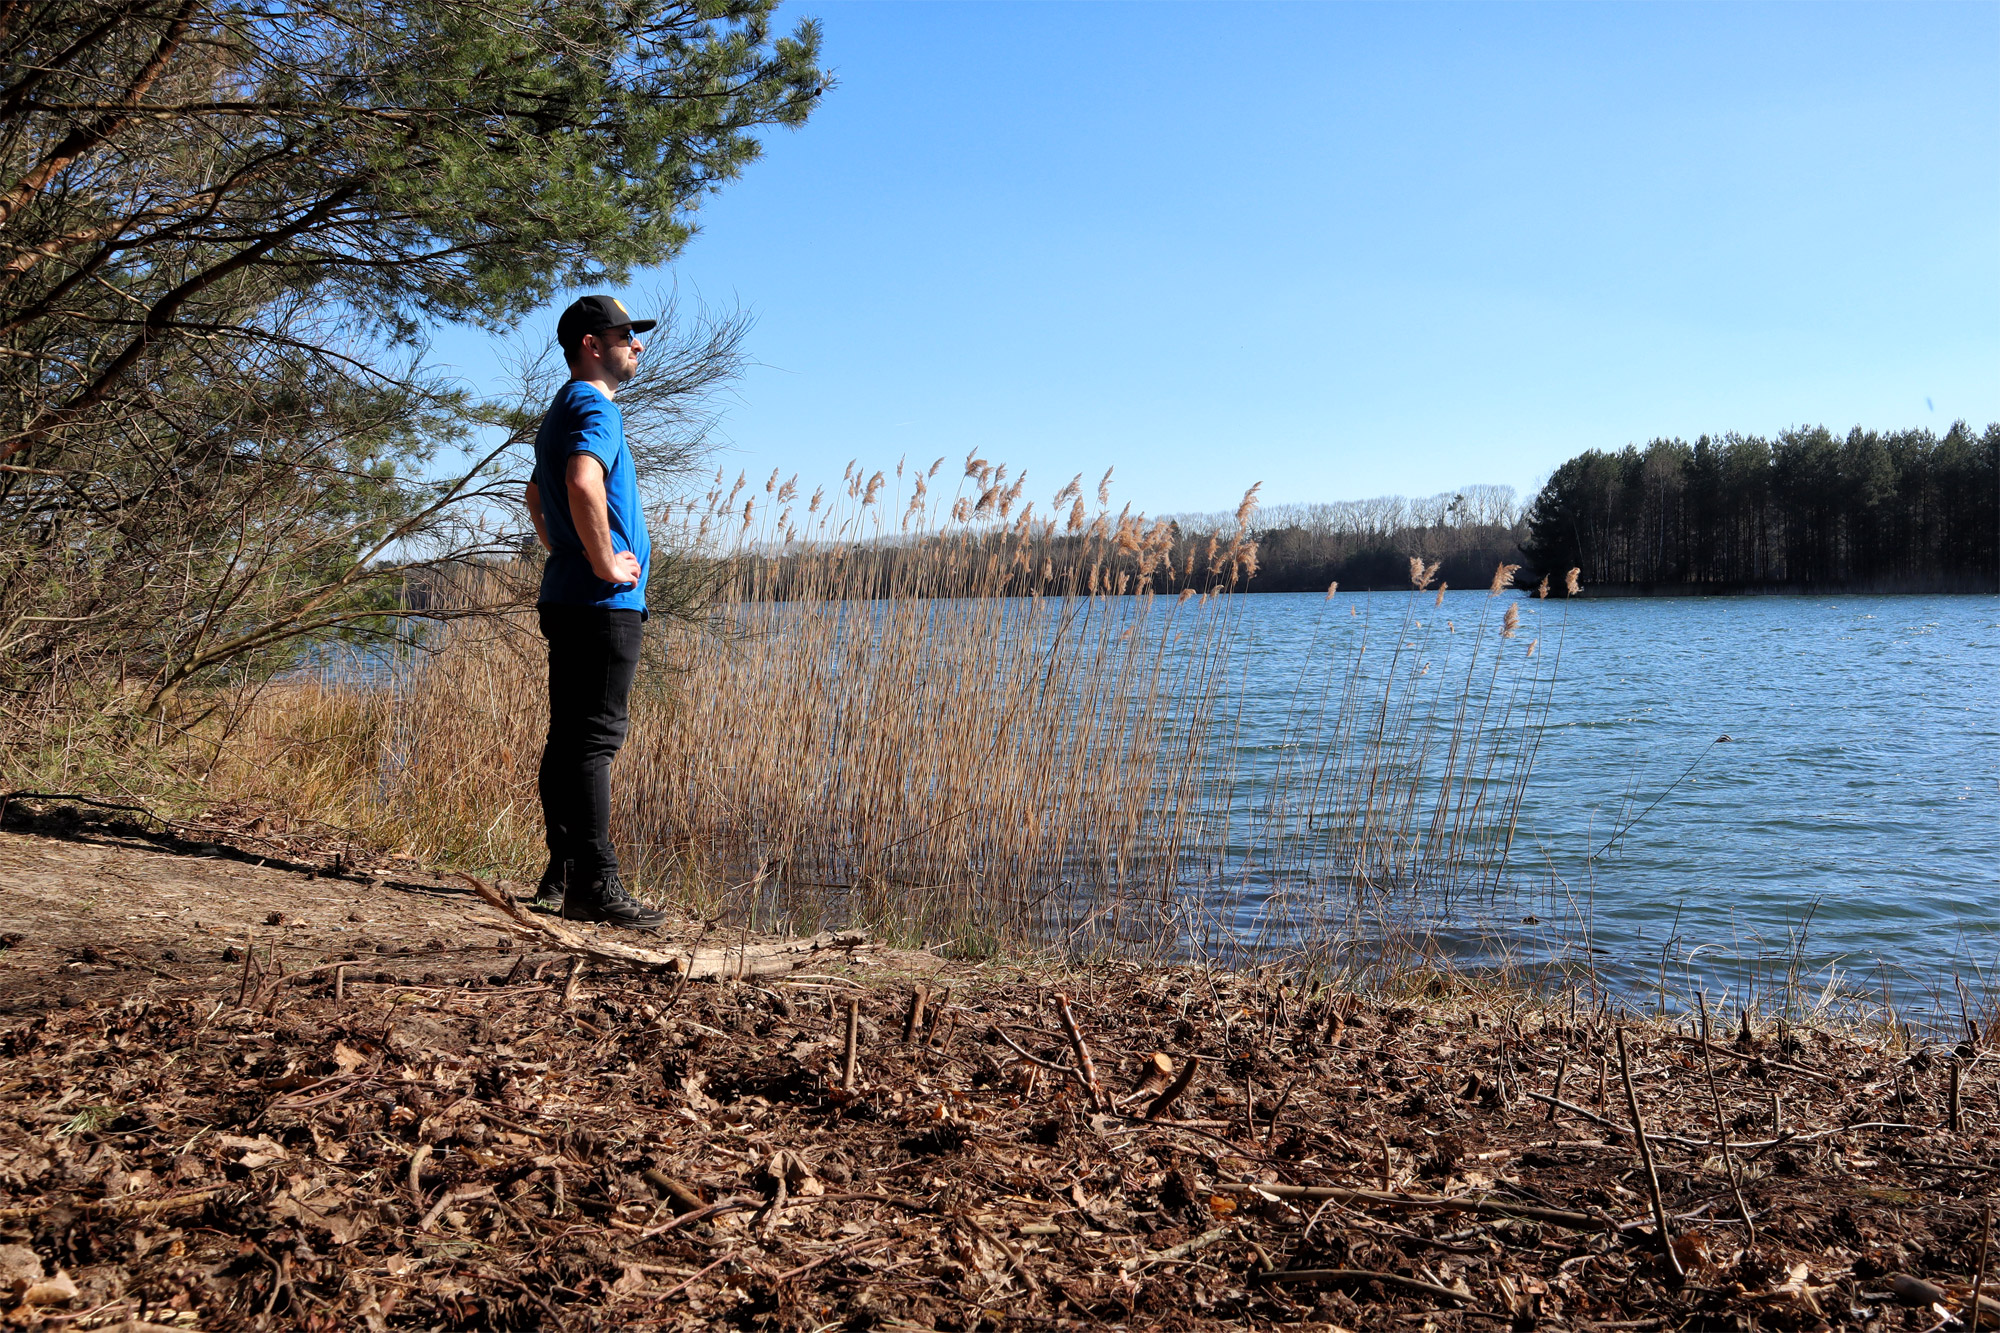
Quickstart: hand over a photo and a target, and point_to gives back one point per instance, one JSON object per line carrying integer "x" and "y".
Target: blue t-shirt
{"x": 582, "y": 420}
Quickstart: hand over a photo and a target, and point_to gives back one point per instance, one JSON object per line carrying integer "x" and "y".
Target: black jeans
{"x": 593, "y": 653}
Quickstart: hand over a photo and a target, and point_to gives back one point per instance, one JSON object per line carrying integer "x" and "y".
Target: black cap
{"x": 595, "y": 314}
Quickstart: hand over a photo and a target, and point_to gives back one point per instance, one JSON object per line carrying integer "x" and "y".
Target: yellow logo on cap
{"x": 621, "y": 307}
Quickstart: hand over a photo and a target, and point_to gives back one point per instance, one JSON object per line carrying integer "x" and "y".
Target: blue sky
{"x": 1349, "y": 250}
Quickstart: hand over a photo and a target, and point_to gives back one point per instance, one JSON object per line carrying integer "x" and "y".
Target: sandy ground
{"x": 95, "y": 913}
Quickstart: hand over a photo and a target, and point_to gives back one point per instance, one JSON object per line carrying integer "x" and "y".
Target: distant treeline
{"x": 1895, "y": 511}
{"x": 1368, "y": 544}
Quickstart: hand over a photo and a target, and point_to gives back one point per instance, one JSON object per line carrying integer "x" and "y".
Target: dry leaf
{"x": 260, "y": 1151}
{"x": 57, "y": 1290}
{"x": 19, "y": 1266}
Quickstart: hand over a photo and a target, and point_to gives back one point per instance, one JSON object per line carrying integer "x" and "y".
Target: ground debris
{"x": 492, "y": 1149}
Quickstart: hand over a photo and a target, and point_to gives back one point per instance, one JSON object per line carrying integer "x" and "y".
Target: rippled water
{"x": 1847, "y": 831}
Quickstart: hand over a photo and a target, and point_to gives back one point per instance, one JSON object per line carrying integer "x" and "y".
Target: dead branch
{"x": 742, "y": 962}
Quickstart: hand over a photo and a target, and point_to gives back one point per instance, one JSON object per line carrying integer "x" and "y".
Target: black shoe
{"x": 607, "y": 903}
{"x": 549, "y": 893}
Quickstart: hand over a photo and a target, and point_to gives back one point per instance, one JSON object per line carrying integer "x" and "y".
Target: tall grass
{"x": 943, "y": 716}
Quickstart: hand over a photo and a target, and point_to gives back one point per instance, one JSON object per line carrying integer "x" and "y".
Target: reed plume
{"x": 1248, "y": 506}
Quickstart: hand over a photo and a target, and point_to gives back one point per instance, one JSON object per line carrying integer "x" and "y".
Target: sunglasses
{"x": 618, "y": 335}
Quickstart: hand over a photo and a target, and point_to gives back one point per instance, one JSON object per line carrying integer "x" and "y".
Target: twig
{"x": 1666, "y": 1235}
{"x": 937, "y": 1021}
{"x": 1682, "y": 1142}
{"x": 1236, "y": 1146}
{"x": 1769, "y": 1063}
{"x": 1721, "y": 1129}
{"x": 915, "y": 1017}
{"x": 1661, "y": 797}
{"x": 1086, "y": 1067}
{"x": 119, "y": 1207}
{"x": 417, "y": 1160}
{"x": 1483, "y": 1204}
{"x": 342, "y": 1085}
{"x": 1976, "y": 1310}
{"x": 1362, "y": 1275}
{"x": 249, "y": 949}
{"x": 1180, "y": 1251}
{"x": 893, "y": 1200}
{"x": 700, "y": 1215}
{"x": 139, "y": 962}
{"x": 1283, "y": 1097}
{"x": 846, "y": 1252}
{"x": 853, "y": 1041}
{"x": 680, "y": 1286}
{"x": 451, "y": 1197}
{"x": 941, "y": 1031}
{"x": 1032, "y": 1059}
{"x": 681, "y": 981}
{"x": 1012, "y": 1255}
{"x": 682, "y": 1198}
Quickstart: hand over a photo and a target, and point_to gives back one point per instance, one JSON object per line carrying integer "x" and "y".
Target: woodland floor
{"x": 465, "y": 1137}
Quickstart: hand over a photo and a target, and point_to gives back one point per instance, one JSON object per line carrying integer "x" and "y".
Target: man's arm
{"x": 591, "y": 513}
{"x": 534, "y": 498}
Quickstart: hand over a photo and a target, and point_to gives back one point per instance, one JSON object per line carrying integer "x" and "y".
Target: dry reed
{"x": 953, "y": 720}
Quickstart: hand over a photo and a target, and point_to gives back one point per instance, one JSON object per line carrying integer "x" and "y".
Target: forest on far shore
{"x": 1890, "y": 511}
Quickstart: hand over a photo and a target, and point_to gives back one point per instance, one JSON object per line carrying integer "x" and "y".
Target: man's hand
{"x": 624, "y": 569}
{"x": 591, "y": 513}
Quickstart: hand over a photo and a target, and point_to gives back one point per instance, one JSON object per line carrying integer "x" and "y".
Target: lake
{"x": 1847, "y": 831}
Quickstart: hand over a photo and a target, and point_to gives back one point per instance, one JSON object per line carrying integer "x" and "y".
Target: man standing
{"x": 584, "y": 500}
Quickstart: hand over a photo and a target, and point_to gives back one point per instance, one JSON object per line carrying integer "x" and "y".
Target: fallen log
{"x": 697, "y": 964}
